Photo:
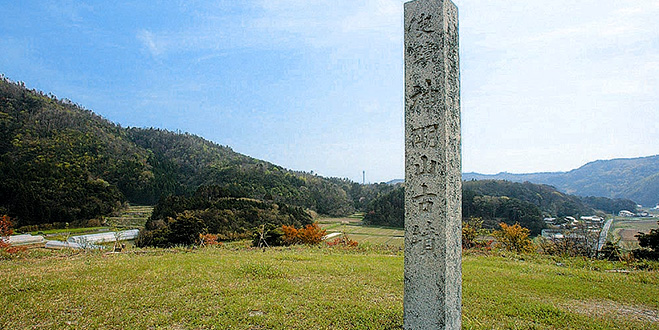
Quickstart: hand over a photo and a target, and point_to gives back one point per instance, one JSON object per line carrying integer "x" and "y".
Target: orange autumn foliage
{"x": 514, "y": 238}
{"x": 310, "y": 235}
{"x": 5, "y": 230}
{"x": 209, "y": 239}
{"x": 343, "y": 241}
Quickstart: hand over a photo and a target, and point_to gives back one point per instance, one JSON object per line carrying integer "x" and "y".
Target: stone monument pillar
{"x": 433, "y": 181}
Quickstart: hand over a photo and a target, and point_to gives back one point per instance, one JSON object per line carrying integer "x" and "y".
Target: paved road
{"x": 603, "y": 234}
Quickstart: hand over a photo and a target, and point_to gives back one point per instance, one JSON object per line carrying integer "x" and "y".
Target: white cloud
{"x": 539, "y": 77}
{"x": 287, "y": 24}
{"x": 149, "y": 42}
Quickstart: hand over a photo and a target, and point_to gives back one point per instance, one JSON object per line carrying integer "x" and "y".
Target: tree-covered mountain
{"x": 497, "y": 201}
{"x": 60, "y": 162}
{"x": 550, "y": 201}
{"x": 626, "y": 178}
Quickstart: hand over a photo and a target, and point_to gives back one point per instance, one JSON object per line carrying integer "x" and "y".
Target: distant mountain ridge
{"x": 631, "y": 178}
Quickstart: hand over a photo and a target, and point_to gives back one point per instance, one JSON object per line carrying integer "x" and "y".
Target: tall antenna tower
{"x": 363, "y": 177}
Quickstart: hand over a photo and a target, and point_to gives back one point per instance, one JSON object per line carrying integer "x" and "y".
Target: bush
{"x": 93, "y": 223}
{"x": 6, "y": 250}
{"x": 209, "y": 239}
{"x": 310, "y": 235}
{"x": 514, "y": 238}
{"x": 472, "y": 228}
{"x": 5, "y": 226}
{"x": 185, "y": 229}
{"x": 27, "y": 229}
{"x": 343, "y": 241}
{"x": 155, "y": 238}
{"x": 5, "y": 231}
{"x": 645, "y": 254}
{"x": 649, "y": 245}
{"x": 182, "y": 230}
{"x": 290, "y": 236}
{"x": 649, "y": 240}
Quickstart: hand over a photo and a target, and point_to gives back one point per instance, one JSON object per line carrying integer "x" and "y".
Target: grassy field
{"x": 624, "y": 229}
{"x": 309, "y": 288}
{"x": 369, "y": 235}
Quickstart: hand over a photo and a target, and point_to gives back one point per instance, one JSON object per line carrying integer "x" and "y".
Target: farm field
{"x": 371, "y": 235}
{"x": 133, "y": 217}
{"x": 309, "y": 288}
{"x": 624, "y": 229}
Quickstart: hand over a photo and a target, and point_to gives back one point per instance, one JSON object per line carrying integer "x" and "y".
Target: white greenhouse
{"x": 105, "y": 237}
{"x": 90, "y": 241}
{"x": 26, "y": 239}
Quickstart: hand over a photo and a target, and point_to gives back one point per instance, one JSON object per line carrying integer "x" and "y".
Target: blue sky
{"x": 318, "y": 85}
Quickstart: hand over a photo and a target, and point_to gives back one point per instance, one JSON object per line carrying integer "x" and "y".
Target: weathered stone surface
{"x": 433, "y": 193}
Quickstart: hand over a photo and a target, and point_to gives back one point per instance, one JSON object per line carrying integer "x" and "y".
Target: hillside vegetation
{"x": 626, "y": 178}
{"x": 62, "y": 163}
{"x": 179, "y": 220}
{"x": 496, "y": 201}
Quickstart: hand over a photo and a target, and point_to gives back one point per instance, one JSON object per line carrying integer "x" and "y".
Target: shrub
{"x": 182, "y": 230}
{"x": 310, "y": 235}
{"x": 645, "y": 254}
{"x": 27, "y": 229}
{"x": 469, "y": 234}
{"x": 343, "y": 241}
{"x": 155, "y": 238}
{"x": 290, "y": 235}
{"x": 5, "y": 226}
{"x": 5, "y": 230}
{"x": 649, "y": 240}
{"x": 93, "y": 223}
{"x": 471, "y": 230}
{"x": 209, "y": 239}
{"x": 185, "y": 229}
{"x": 649, "y": 245}
{"x": 6, "y": 250}
{"x": 514, "y": 238}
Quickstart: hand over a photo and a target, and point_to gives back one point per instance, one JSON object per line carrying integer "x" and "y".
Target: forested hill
{"x": 629, "y": 178}
{"x": 60, "y": 162}
{"x": 496, "y": 201}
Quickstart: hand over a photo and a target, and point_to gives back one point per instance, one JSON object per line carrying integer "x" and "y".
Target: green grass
{"x": 86, "y": 230}
{"x": 309, "y": 288}
{"x": 370, "y": 235}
